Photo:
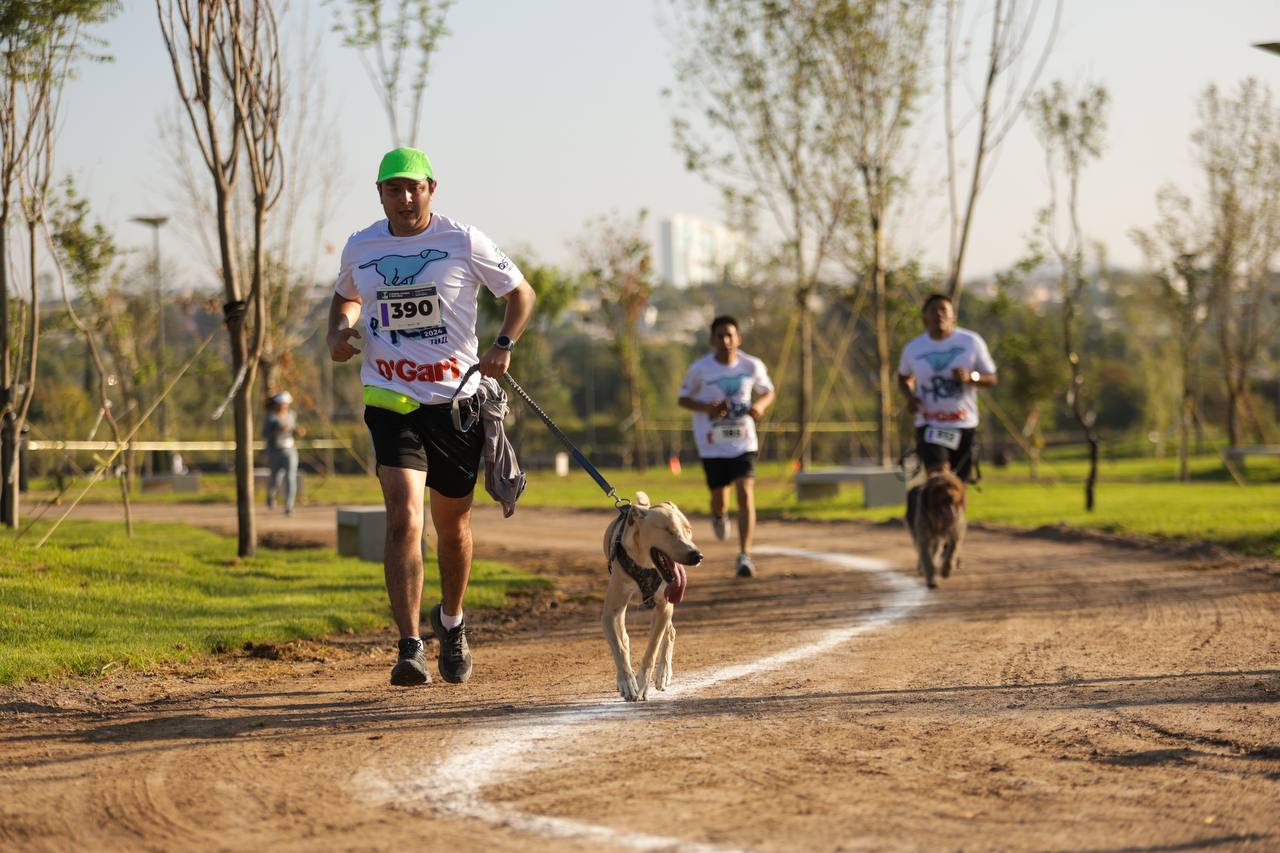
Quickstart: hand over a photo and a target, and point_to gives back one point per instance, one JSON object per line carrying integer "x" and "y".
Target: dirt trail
{"x": 1053, "y": 695}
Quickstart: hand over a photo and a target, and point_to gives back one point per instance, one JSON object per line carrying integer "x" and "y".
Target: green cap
{"x": 405, "y": 163}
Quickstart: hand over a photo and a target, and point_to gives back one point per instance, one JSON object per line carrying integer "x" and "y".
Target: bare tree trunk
{"x": 1185, "y": 416}
{"x": 242, "y": 409}
{"x": 879, "y": 301}
{"x": 18, "y": 405}
{"x": 1077, "y": 402}
{"x": 1226, "y": 347}
{"x": 9, "y": 466}
{"x": 639, "y": 437}
{"x": 804, "y": 449}
{"x": 234, "y": 311}
{"x": 8, "y": 437}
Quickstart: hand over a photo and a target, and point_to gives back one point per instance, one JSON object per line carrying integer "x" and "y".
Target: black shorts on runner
{"x": 425, "y": 440}
{"x": 722, "y": 472}
{"x": 960, "y": 459}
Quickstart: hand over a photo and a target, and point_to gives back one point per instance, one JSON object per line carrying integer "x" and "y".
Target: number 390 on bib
{"x": 408, "y": 308}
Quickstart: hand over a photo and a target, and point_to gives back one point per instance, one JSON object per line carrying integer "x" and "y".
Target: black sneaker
{"x": 455, "y": 657}
{"x": 411, "y": 668}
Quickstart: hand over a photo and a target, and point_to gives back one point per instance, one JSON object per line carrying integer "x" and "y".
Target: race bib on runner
{"x": 405, "y": 308}
{"x": 728, "y": 430}
{"x": 948, "y": 438}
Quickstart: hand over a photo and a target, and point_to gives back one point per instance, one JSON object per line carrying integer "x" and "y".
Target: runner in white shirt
{"x": 940, "y": 372}
{"x": 719, "y": 388}
{"x": 411, "y": 282}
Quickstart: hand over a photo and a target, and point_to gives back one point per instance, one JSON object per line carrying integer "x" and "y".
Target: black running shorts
{"x": 722, "y": 472}
{"x": 425, "y": 440}
{"x": 960, "y": 459}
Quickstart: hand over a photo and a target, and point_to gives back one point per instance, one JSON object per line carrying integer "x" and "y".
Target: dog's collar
{"x": 647, "y": 579}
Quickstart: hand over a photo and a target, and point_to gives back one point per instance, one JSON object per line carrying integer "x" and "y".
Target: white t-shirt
{"x": 946, "y": 402}
{"x": 419, "y": 303}
{"x": 709, "y": 381}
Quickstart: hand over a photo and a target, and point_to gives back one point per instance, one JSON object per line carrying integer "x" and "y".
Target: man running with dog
{"x": 940, "y": 373}
{"x": 719, "y": 388}
{"x": 410, "y": 282}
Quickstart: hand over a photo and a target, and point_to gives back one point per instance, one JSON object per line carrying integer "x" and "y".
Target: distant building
{"x": 697, "y": 251}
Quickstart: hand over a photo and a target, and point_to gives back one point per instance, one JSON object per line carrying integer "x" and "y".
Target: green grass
{"x": 1137, "y": 495}
{"x": 214, "y": 488}
{"x": 92, "y": 599}
{"x": 1134, "y": 496}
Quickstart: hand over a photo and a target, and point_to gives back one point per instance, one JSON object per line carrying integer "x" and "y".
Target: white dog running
{"x": 647, "y": 548}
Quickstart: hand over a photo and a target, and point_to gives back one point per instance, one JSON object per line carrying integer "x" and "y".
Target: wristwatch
{"x": 504, "y": 342}
{"x": 975, "y": 377}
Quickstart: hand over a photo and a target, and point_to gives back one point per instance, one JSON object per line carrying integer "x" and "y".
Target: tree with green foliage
{"x": 89, "y": 254}
{"x": 556, "y": 290}
{"x": 619, "y": 271}
{"x": 1070, "y": 125}
{"x": 1175, "y": 249}
{"x": 387, "y": 44}
{"x": 1027, "y": 349}
{"x": 1237, "y": 144}
{"x": 872, "y": 76}
{"x": 41, "y": 42}
{"x": 755, "y": 122}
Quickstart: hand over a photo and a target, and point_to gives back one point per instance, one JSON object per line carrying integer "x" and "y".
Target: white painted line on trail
{"x": 512, "y": 748}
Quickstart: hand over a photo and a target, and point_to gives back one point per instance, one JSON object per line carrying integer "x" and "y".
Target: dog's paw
{"x": 662, "y": 678}
{"x": 628, "y": 689}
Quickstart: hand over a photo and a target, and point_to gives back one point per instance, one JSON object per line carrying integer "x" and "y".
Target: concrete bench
{"x": 362, "y": 532}
{"x": 881, "y": 486}
{"x": 184, "y": 483}
{"x": 1238, "y": 453}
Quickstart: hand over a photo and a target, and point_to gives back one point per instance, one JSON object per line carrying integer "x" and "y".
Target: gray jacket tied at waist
{"x": 503, "y": 479}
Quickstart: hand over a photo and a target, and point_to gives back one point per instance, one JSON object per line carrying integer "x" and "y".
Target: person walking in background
{"x": 279, "y": 430}
{"x": 728, "y": 391}
{"x": 410, "y": 282}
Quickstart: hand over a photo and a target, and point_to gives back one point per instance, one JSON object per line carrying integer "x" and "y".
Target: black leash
{"x": 578, "y": 456}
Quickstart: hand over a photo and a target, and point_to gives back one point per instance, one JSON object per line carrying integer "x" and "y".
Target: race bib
{"x": 405, "y": 308}
{"x": 948, "y": 438}
{"x": 728, "y": 430}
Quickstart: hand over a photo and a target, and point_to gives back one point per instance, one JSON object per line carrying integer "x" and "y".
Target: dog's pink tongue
{"x": 675, "y": 590}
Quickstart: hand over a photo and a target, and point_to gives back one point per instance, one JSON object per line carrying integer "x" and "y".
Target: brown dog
{"x": 647, "y": 548}
{"x": 938, "y": 525}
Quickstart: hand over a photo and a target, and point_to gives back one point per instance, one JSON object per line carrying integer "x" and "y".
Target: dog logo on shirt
{"x": 939, "y": 360}
{"x": 729, "y": 385}
{"x": 403, "y": 269}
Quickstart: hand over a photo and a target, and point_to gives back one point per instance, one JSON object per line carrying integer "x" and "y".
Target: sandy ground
{"x": 1058, "y": 693}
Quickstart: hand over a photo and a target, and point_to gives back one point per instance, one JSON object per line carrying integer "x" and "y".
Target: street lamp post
{"x": 155, "y": 222}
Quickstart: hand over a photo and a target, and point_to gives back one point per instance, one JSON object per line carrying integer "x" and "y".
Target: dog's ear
{"x": 642, "y": 499}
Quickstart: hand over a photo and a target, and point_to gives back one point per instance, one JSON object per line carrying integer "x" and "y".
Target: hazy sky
{"x": 541, "y": 114}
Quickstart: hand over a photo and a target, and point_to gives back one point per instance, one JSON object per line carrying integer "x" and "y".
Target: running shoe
{"x": 746, "y": 568}
{"x": 411, "y": 668}
{"x": 720, "y": 526}
{"x": 455, "y": 657}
